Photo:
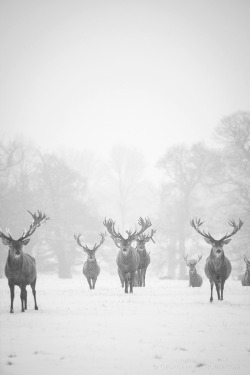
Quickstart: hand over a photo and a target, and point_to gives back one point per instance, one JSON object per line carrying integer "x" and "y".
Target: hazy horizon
{"x": 148, "y": 74}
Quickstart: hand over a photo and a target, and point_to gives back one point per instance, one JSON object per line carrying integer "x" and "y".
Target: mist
{"x": 124, "y": 112}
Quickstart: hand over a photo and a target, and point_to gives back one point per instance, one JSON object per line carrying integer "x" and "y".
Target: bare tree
{"x": 62, "y": 188}
{"x": 128, "y": 165}
{"x": 185, "y": 170}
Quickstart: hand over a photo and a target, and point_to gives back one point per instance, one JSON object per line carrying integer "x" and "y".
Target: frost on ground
{"x": 164, "y": 328}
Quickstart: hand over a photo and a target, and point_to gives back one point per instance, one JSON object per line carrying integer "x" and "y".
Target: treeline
{"x": 77, "y": 190}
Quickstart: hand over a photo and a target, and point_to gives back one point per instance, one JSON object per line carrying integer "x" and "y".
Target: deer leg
{"x": 12, "y": 295}
{"x": 89, "y": 282}
{"x": 33, "y": 287}
{"x": 26, "y": 299}
{"x": 22, "y": 296}
{"x": 94, "y": 281}
{"x": 144, "y": 276}
{"x": 217, "y": 285}
{"x": 222, "y": 289}
{"x": 126, "y": 285}
{"x": 212, "y": 285}
{"x": 131, "y": 282}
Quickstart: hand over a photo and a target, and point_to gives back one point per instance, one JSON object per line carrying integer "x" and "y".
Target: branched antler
{"x": 196, "y": 223}
{"x": 38, "y": 219}
{"x": 118, "y": 238}
{"x": 192, "y": 262}
{"x": 85, "y": 247}
{"x": 3, "y": 235}
{"x": 236, "y": 228}
{"x": 146, "y": 238}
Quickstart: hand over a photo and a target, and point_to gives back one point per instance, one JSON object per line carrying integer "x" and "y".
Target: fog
{"x": 103, "y": 101}
{"x": 148, "y": 74}
{"x": 125, "y": 110}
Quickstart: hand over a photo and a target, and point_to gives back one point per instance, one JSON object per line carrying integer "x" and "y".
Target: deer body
{"x": 142, "y": 267}
{"x": 91, "y": 269}
{"x": 143, "y": 255}
{"x": 195, "y": 280}
{"x": 246, "y": 278}
{"x": 218, "y": 266}
{"x": 217, "y": 271}
{"x": 20, "y": 268}
{"x": 127, "y": 258}
{"x": 127, "y": 265}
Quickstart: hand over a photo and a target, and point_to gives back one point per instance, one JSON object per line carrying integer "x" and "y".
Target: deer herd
{"x": 132, "y": 262}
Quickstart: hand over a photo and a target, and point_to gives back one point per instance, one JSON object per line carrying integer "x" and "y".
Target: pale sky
{"x": 89, "y": 74}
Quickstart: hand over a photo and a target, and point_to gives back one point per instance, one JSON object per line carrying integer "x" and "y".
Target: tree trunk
{"x": 172, "y": 250}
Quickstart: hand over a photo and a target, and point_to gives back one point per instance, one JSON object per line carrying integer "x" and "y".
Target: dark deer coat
{"x": 245, "y": 281}
{"x": 91, "y": 269}
{"x": 21, "y": 271}
{"x": 128, "y": 264}
{"x": 217, "y": 270}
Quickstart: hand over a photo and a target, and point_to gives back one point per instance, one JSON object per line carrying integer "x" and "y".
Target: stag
{"x": 218, "y": 266}
{"x": 143, "y": 255}
{"x": 20, "y": 268}
{"x": 127, "y": 258}
{"x": 195, "y": 280}
{"x": 246, "y": 278}
{"x": 91, "y": 269}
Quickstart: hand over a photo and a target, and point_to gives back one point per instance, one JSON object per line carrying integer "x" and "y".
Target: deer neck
{"x": 217, "y": 260}
{"x": 15, "y": 262}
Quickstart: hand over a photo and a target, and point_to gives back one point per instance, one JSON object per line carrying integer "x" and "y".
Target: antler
{"x": 146, "y": 238}
{"x": 236, "y": 228}
{"x": 185, "y": 258}
{"x": 192, "y": 261}
{"x": 110, "y": 225}
{"x": 38, "y": 219}
{"x": 85, "y": 247}
{"x": 196, "y": 223}
{"x": 118, "y": 238}
{"x": 199, "y": 258}
{"x": 246, "y": 260}
{"x": 145, "y": 224}
{"x": 96, "y": 246}
{"x": 4, "y": 237}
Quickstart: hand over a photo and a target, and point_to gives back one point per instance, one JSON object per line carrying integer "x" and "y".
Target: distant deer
{"x": 127, "y": 258}
{"x": 144, "y": 256}
{"x": 20, "y": 268}
{"x": 91, "y": 269}
{"x": 246, "y": 278}
{"x": 195, "y": 280}
{"x": 218, "y": 266}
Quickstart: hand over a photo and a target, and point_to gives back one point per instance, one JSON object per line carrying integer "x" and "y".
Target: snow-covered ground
{"x": 164, "y": 328}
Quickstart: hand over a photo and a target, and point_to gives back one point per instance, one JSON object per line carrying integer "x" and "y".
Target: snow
{"x": 164, "y": 328}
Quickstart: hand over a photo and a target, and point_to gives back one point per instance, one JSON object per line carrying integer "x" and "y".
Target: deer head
{"x": 125, "y": 243}
{"x": 217, "y": 245}
{"x": 192, "y": 263}
{"x": 90, "y": 252}
{"x": 16, "y": 246}
{"x": 143, "y": 239}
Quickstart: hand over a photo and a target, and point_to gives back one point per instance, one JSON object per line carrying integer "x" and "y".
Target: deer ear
{"x": 25, "y": 242}
{"x": 5, "y": 241}
{"x": 208, "y": 240}
{"x": 227, "y": 241}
